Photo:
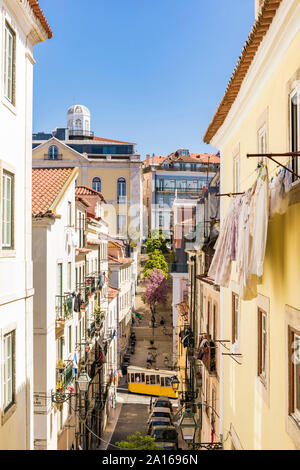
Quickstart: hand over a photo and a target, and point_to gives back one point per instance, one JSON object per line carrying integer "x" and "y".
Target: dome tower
{"x": 79, "y": 122}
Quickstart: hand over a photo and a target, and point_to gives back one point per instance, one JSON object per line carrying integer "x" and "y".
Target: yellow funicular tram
{"x": 155, "y": 382}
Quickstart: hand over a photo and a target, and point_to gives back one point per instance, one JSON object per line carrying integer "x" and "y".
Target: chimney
{"x": 153, "y": 159}
{"x": 147, "y": 160}
{"x": 258, "y": 7}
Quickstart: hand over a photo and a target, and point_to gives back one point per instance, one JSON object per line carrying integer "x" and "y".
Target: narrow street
{"x": 132, "y": 410}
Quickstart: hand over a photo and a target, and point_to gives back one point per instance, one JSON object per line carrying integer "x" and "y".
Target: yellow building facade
{"x": 118, "y": 178}
{"x": 260, "y": 114}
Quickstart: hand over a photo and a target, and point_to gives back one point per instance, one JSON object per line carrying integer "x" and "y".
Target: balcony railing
{"x": 80, "y": 133}
{"x": 169, "y": 189}
{"x": 52, "y": 157}
{"x": 207, "y": 354}
{"x": 122, "y": 199}
{"x": 64, "y": 374}
{"x": 64, "y": 308}
{"x": 179, "y": 268}
{"x": 200, "y": 169}
{"x": 83, "y": 289}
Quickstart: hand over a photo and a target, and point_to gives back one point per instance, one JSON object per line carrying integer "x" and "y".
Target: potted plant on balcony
{"x": 60, "y": 365}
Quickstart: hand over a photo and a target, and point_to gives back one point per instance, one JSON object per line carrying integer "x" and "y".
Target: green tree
{"x": 156, "y": 261}
{"x": 156, "y": 241}
{"x": 138, "y": 442}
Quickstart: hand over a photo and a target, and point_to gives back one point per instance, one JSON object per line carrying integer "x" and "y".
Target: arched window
{"x": 78, "y": 124}
{"x": 121, "y": 189}
{"x": 53, "y": 152}
{"x": 96, "y": 184}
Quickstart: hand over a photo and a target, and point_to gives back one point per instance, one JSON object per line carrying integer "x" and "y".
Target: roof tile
{"x": 47, "y": 183}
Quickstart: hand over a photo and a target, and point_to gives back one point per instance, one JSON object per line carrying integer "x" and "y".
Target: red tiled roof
{"x": 101, "y": 139}
{"x": 86, "y": 191}
{"x": 83, "y": 250}
{"x": 193, "y": 158}
{"x": 40, "y": 16}
{"x": 257, "y": 33}
{"x": 113, "y": 259}
{"x": 112, "y": 293}
{"x": 47, "y": 183}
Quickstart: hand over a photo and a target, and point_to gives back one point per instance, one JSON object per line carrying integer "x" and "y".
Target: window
{"x": 262, "y": 142}
{"x": 236, "y": 174}
{"x": 294, "y": 374}
{"x": 60, "y": 347}
{"x": 214, "y": 322}
{"x": 235, "y": 317}
{"x": 59, "y": 279}
{"x": 262, "y": 344}
{"x": 208, "y": 318}
{"x": 8, "y": 370}
{"x": 9, "y": 63}
{"x": 121, "y": 224}
{"x": 7, "y": 210}
{"x": 121, "y": 189}
{"x": 81, "y": 228}
{"x": 295, "y": 129}
{"x": 70, "y": 276}
{"x": 161, "y": 220}
{"x": 69, "y": 213}
{"x": 53, "y": 153}
{"x": 70, "y": 339}
{"x": 161, "y": 202}
{"x": 96, "y": 184}
{"x": 207, "y": 397}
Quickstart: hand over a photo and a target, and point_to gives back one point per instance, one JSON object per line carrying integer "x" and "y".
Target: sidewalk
{"x": 110, "y": 426}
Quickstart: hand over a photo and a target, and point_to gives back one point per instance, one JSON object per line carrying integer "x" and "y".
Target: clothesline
{"x": 243, "y": 234}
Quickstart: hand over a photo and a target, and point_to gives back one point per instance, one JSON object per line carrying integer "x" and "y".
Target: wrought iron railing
{"x": 64, "y": 374}
{"x": 80, "y": 133}
{"x": 179, "y": 268}
{"x": 63, "y": 307}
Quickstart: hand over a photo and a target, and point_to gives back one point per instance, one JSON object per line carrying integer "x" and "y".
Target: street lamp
{"x": 83, "y": 381}
{"x": 188, "y": 426}
{"x": 175, "y": 383}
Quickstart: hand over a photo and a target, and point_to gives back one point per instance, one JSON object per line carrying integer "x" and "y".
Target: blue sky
{"x": 150, "y": 71}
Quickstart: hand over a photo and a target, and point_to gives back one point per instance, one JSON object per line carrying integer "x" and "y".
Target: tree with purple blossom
{"x": 156, "y": 289}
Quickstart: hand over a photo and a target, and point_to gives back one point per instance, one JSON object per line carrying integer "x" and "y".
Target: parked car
{"x": 160, "y": 413}
{"x": 158, "y": 422}
{"x": 165, "y": 436}
{"x": 162, "y": 402}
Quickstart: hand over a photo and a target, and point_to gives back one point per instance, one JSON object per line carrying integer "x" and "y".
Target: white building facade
{"x": 22, "y": 27}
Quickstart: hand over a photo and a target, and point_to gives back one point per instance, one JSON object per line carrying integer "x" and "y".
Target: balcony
{"x": 122, "y": 200}
{"x": 63, "y": 308}
{"x": 50, "y": 157}
{"x": 169, "y": 189}
{"x": 206, "y": 352}
{"x": 199, "y": 169}
{"x": 84, "y": 290}
{"x": 80, "y": 133}
{"x": 64, "y": 374}
{"x": 179, "y": 268}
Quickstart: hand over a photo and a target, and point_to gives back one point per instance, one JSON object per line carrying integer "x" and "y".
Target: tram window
{"x": 168, "y": 381}
{"x": 128, "y": 377}
{"x": 137, "y": 378}
{"x": 152, "y": 379}
{"x": 147, "y": 379}
{"x": 162, "y": 381}
{"x": 143, "y": 377}
{"x": 157, "y": 379}
{"x": 132, "y": 378}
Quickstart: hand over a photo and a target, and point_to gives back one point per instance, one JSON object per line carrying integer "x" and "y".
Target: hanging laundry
{"x": 225, "y": 248}
{"x": 77, "y": 303}
{"x": 280, "y": 187}
{"x": 247, "y": 282}
{"x": 259, "y": 219}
